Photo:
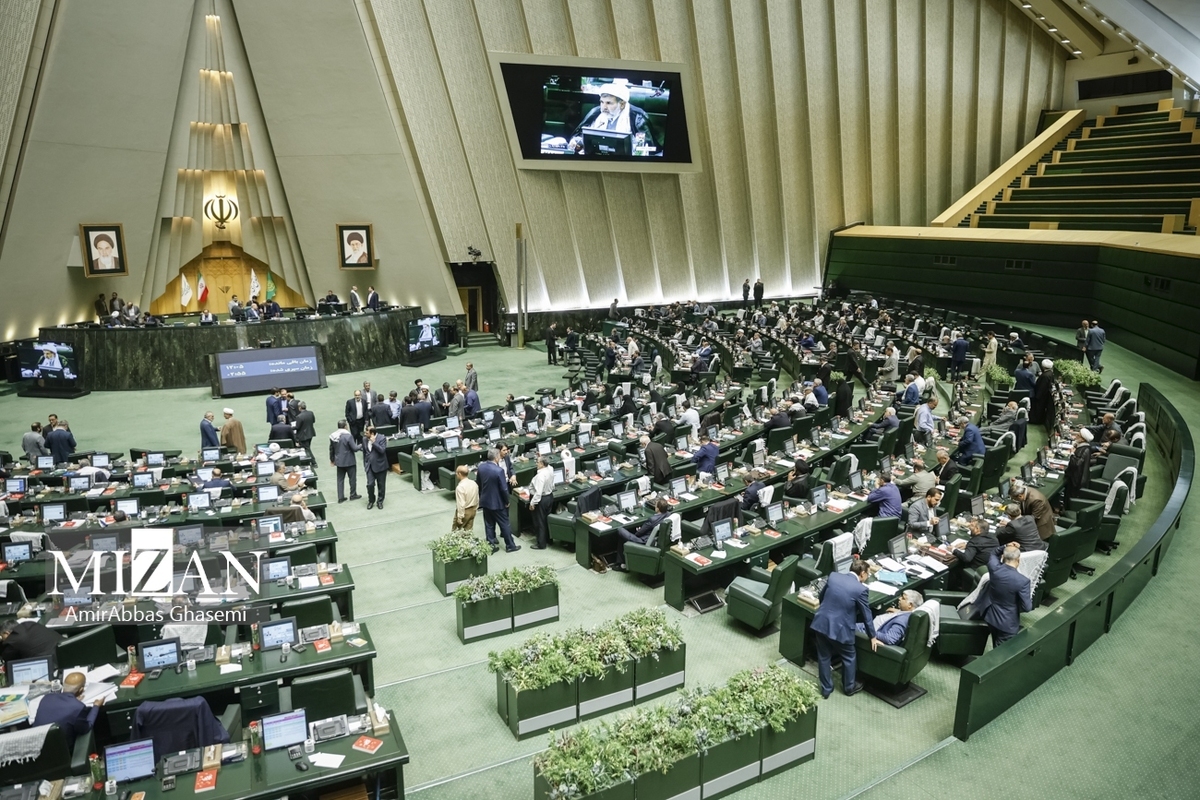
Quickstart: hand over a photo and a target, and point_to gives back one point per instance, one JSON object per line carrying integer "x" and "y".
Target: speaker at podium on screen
{"x": 607, "y": 143}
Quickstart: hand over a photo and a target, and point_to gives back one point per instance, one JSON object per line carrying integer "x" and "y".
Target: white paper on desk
{"x": 600, "y": 526}
{"x": 882, "y": 588}
{"x": 717, "y": 554}
{"x": 94, "y": 691}
{"x": 687, "y": 496}
{"x": 890, "y": 564}
{"x": 308, "y": 582}
{"x": 326, "y": 760}
{"x": 785, "y": 463}
{"x": 932, "y": 563}
{"x": 228, "y": 668}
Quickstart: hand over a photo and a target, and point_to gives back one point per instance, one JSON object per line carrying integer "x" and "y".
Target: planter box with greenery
{"x": 535, "y": 685}
{"x": 484, "y": 605}
{"x": 457, "y": 557}
{"x": 707, "y": 744}
{"x": 998, "y": 376}
{"x": 1077, "y": 374}
{"x": 535, "y": 606}
{"x": 604, "y": 667}
{"x": 658, "y": 651}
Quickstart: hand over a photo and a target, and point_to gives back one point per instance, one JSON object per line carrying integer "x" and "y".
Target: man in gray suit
{"x": 306, "y": 427}
{"x": 472, "y": 379}
{"x": 375, "y": 461}
{"x": 342, "y": 448}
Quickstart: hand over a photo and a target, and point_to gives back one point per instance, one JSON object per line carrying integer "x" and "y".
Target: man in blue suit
{"x": 208, "y": 432}
{"x": 958, "y": 356}
{"x": 970, "y": 443}
{"x": 67, "y": 710}
{"x": 842, "y": 600}
{"x": 275, "y": 406}
{"x": 1025, "y": 380}
{"x": 376, "y": 465}
{"x": 644, "y": 535}
{"x": 1006, "y": 595}
{"x": 705, "y": 458}
{"x": 912, "y": 392}
{"x": 493, "y": 501}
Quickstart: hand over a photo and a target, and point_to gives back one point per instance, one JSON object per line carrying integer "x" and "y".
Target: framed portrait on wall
{"x": 103, "y": 250}
{"x": 356, "y": 246}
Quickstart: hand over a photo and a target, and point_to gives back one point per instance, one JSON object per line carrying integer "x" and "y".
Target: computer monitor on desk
{"x": 45, "y": 462}
{"x": 104, "y": 543}
{"x": 189, "y": 535}
{"x": 198, "y": 501}
{"x": 14, "y": 485}
{"x": 16, "y": 552}
{"x": 627, "y": 500}
{"x": 722, "y": 529}
{"x": 452, "y": 442}
{"x": 130, "y": 761}
{"x": 494, "y": 434}
{"x": 158, "y": 654}
{"x": 775, "y": 513}
{"x": 977, "y": 506}
{"x": 277, "y": 568}
{"x": 413, "y": 431}
{"x": 843, "y": 551}
{"x": 452, "y": 423}
{"x": 210, "y": 454}
{"x": 818, "y": 496}
{"x": 155, "y": 459}
{"x": 79, "y": 483}
{"x": 603, "y": 465}
{"x": 204, "y": 474}
{"x": 284, "y": 730}
{"x": 678, "y": 486}
{"x": 129, "y": 505}
{"x": 100, "y": 460}
{"x": 268, "y": 493}
{"x": 898, "y": 546}
{"x": 28, "y": 670}
{"x": 143, "y": 480}
{"x": 264, "y": 469}
{"x": 544, "y": 447}
{"x": 270, "y": 524}
{"x": 607, "y": 143}
{"x": 274, "y": 635}
{"x": 53, "y": 513}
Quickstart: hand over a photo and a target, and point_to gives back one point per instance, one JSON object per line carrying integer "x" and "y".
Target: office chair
{"x": 646, "y": 560}
{"x": 54, "y": 761}
{"x": 182, "y": 723}
{"x": 91, "y": 648}
{"x": 326, "y": 695}
{"x": 756, "y": 601}
{"x": 895, "y": 665}
{"x": 310, "y": 611}
{"x": 300, "y": 554}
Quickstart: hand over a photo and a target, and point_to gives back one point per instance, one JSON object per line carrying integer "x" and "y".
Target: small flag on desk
{"x": 201, "y": 288}
{"x": 185, "y": 291}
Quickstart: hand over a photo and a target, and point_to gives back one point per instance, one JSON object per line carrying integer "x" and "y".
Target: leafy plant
{"x": 777, "y": 695}
{"x": 510, "y": 581}
{"x": 1076, "y": 373}
{"x": 457, "y": 545}
{"x": 541, "y": 660}
{"x": 592, "y": 652}
{"x": 931, "y": 372}
{"x": 837, "y": 377}
{"x": 998, "y": 375}
{"x": 648, "y": 632}
{"x": 584, "y": 761}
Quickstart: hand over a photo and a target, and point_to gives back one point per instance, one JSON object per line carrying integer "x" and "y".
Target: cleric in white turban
{"x": 614, "y": 113}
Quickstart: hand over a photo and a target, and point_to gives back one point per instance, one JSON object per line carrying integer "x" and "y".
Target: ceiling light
{"x": 1076, "y": 52}
{"x": 1064, "y": 41}
{"x": 1026, "y": 5}
{"x": 1052, "y": 29}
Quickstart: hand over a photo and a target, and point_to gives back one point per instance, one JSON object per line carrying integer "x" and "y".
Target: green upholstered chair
{"x": 55, "y": 761}
{"x": 950, "y": 496}
{"x": 756, "y": 601}
{"x": 1060, "y": 559}
{"x": 91, "y": 648}
{"x": 299, "y": 554}
{"x": 883, "y": 530}
{"x": 892, "y": 667}
{"x": 995, "y": 462}
{"x": 839, "y": 472}
{"x": 562, "y": 525}
{"x": 326, "y": 695}
{"x": 961, "y": 635}
{"x": 867, "y": 454}
{"x": 646, "y": 560}
{"x": 903, "y": 434}
{"x": 730, "y": 508}
{"x": 809, "y": 570}
{"x": 1088, "y": 517}
{"x": 310, "y": 611}
{"x": 776, "y": 438}
{"x": 973, "y": 479}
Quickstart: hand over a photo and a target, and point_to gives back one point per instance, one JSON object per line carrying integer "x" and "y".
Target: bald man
{"x": 67, "y": 710}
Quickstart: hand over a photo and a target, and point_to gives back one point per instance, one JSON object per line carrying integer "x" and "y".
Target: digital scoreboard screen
{"x": 246, "y": 371}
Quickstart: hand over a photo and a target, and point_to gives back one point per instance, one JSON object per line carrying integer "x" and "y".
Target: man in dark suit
{"x": 1006, "y": 595}
{"x": 372, "y": 298}
{"x": 658, "y": 463}
{"x": 552, "y": 344}
{"x": 441, "y": 400}
{"x": 61, "y": 442}
{"x": 424, "y": 411}
{"x": 1025, "y": 380}
{"x": 958, "y": 356}
{"x": 493, "y": 501}
{"x": 66, "y": 710}
{"x": 208, "y": 432}
{"x": 976, "y": 551}
{"x": 610, "y": 356}
{"x": 970, "y": 443}
{"x": 375, "y": 462}
{"x": 101, "y": 306}
{"x": 843, "y": 599}
{"x": 946, "y": 468}
{"x": 274, "y": 406}
{"x": 779, "y": 419}
{"x": 306, "y": 426}
{"x": 381, "y": 412}
{"x": 357, "y": 415}
{"x": 645, "y": 534}
{"x": 1022, "y": 529}
{"x": 281, "y": 429}
{"x": 342, "y": 447}
{"x": 27, "y": 640}
{"x": 758, "y": 293}
{"x": 663, "y": 425}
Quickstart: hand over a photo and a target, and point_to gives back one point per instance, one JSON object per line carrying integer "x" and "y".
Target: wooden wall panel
{"x": 853, "y": 108}
{"x": 882, "y": 109}
{"x": 910, "y": 119}
{"x": 939, "y": 122}
{"x": 963, "y": 109}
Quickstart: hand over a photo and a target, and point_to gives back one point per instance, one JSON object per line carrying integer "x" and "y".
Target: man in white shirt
{"x": 925, "y": 421}
{"x": 690, "y": 416}
{"x": 541, "y": 501}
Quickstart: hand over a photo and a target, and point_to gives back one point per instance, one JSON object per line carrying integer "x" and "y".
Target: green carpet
{"x": 1082, "y": 735}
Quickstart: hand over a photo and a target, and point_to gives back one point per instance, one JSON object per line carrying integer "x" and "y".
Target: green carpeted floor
{"x": 1117, "y": 723}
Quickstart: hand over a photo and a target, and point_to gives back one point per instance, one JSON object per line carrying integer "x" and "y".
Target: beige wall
{"x": 812, "y": 114}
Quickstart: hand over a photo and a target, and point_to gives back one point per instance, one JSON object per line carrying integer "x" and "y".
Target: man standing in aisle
{"x": 233, "y": 435}
{"x": 1095, "y": 345}
{"x": 356, "y": 414}
{"x": 306, "y": 426}
{"x": 61, "y": 442}
{"x": 552, "y": 344}
{"x": 541, "y": 501}
{"x": 342, "y": 447}
{"x": 493, "y": 500}
{"x": 746, "y": 293}
{"x": 208, "y": 432}
{"x": 842, "y": 600}
{"x": 466, "y": 499}
{"x": 471, "y": 381}
{"x": 758, "y": 293}
{"x": 375, "y": 462}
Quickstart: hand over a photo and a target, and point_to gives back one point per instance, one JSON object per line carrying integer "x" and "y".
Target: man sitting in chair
{"x": 67, "y": 710}
{"x": 613, "y": 114}
{"x": 644, "y": 534}
{"x": 891, "y": 626}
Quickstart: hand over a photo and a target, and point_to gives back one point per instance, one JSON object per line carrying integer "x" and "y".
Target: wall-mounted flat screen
{"x": 595, "y": 114}
{"x": 424, "y": 333}
{"x": 54, "y": 362}
{"x": 245, "y": 371}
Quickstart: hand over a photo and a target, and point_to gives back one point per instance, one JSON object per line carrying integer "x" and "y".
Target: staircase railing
{"x": 986, "y": 189}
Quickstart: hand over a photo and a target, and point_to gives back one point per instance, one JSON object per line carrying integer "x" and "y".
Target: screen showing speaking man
{"x": 614, "y": 125}
{"x": 48, "y": 361}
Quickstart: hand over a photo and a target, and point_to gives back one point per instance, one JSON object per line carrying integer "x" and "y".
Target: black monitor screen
{"x": 885, "y": 464}
{"x": 424, "y": 333}
{"x": 259, "y": 370}
{"x": 210, "y": 454}
{"x": 590, "y": 113}
{"x": 130, "y": 761}
{"x": 53, "y": 512}
{"x": 14, "y": 485}
{"x": 818, "y": 495}
{"x": 51, "y": 363}
{"x": 143, "y": 480}
{"x": 722, "y": 529}
{"x": 45, "y": 462}
{"x": 15, "y": 552}
{"x": 898, "y": 546}
{"x": 158, "y": 654}
{"x": 79, "y": 483}
{"x": 603, "y": 465}
{"x": 774, "y": 513}
{"x": 274, "y": 635}
{"x": 28, "y": 670}
{"x": 977, "y": 505}
{"x": 856, "y": 480}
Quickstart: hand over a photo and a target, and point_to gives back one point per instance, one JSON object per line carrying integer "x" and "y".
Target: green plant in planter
{"x": 535, "y": 664}
{"x": 777, "y": 695}
{"x": 1076, "y": 373}
{"x": 499, "y": 584}
{"x": 655, "y": 738}
{"x": 999, "y": 376}
{"x": 457, "y": 545}
{"x": 584, "y": 761}
{"x": 591, "y": 652}
{"x": 931, "y": 372}
{"x": 648, "y": 632}
{"x": 836, "y": 377}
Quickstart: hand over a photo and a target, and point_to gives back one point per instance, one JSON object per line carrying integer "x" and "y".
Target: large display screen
{"x": 424, "y": 333}
{"x": 54, "y": 362}
{"x": 567, "y": 113}
{"x": 244, "y": 371}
